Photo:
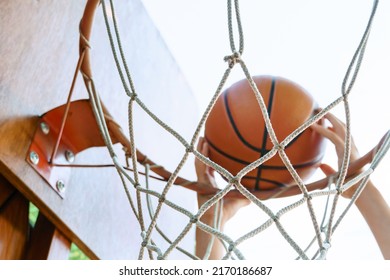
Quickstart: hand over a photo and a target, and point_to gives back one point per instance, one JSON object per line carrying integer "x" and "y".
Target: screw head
{"x": 69, "y": 155}
{"x": 34, "y": 157}
{"x": 60, "y": 185}
{"x": 45, "y": 128}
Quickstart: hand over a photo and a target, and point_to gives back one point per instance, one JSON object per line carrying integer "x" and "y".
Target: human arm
{"x": 370, "y": 203}
{"x": 231, "y": 205}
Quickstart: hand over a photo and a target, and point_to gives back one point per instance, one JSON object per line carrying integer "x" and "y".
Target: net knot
{"x": 279, "y": 147}
{"x": 189, "y": 149}
{"x": 161, "y": 199}
{"x": 194, "y": 219}
{"x": 324, "y": 250}
{"x": 150, "y": 246}
{"x": 144, "y": 162}
{"x": 326, "y": 245}
{"x": 144, "y": 241}
{"x": 231, "y": 247}
{"x": 132, "y": 95}
{"x": 233, "y": 59}
{"x": 308, "y": 196}
{"x": 235, "y": 181}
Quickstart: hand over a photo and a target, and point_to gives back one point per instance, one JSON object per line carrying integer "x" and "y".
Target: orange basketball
{"x": 237, "y": 135}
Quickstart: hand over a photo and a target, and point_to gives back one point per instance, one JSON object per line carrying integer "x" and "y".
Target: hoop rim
{"x": 86, "y": 24}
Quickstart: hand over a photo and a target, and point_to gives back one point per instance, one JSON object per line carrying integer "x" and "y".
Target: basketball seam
{"x": 279, "y": 184}
{"x": 235, "y": 128}
{"x": 263, "y": 149}
{"x": 237, "y": 131}
{"x": 264, "y": 166}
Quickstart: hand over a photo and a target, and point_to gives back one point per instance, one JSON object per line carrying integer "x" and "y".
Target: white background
{"x": 310, "y": 42}
{"x": 64, "y": 270}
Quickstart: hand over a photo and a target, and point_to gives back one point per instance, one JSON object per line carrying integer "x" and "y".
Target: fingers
{"x": 203, "y": 147}
{"x": 202, "y": 170}
{"x": 200, "y": 144}
{"x": 200, "y": 167}
{"x": 336, "y": 123}
{"x": 327, "y": 133}
{"x": 326, "y": 169}
{"x": 336, "y": 133}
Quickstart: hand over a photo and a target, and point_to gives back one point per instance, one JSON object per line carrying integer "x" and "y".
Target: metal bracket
{"x": 79, "y": 133}
{"x": 39, "y": 157}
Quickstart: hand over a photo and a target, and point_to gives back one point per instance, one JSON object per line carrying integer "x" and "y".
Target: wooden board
{"x": 39, "y": 51}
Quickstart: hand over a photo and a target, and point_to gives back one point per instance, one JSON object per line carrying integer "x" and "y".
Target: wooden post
{"x": 14, "y": 227}
{"x": 47, "y": 242}
{"x": 44, "y": 241}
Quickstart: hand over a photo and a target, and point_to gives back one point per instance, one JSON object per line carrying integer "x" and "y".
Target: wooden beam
{"x": 6, "y": 190}
{"x": 47, "y": 242}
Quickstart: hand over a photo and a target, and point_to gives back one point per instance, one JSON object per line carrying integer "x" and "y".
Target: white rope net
{"x": 132, "y": 179}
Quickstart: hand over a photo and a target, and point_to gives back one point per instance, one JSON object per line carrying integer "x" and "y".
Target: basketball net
{"x": 306, "y": 194}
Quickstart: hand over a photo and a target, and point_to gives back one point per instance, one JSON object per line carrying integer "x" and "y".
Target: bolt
{"x": 60, "y": 185}
{"x": 34, "y": 158}
{"x": 69, "y": 155}
{"x": 45, "y": 128}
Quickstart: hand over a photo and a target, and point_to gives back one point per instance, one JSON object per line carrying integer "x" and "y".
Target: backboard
{"x": 39, "y": 50}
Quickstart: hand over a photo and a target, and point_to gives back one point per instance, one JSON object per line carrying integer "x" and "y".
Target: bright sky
{"x": 310, "y": 42}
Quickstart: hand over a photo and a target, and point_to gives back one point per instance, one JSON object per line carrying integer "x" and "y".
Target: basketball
{"x": 237, "y": 136}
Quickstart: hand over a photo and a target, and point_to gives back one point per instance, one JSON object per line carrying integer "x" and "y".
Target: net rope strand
{"x": 131, "y": 101}
{"x": 151, "y": 214}
{"x": 271, "y": 133}
{"x": 353, "y": 68}
{"x": 90, "y": 90}
{"x": 274, "y": 218}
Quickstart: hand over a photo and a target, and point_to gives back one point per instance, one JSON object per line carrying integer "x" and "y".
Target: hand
{"x": 206, "y": 176}
{"x": 336, "y": 134}
{"x": 370, "y": 203}
{"x": 204, "y": 173}
{"x": 231, "y": 205}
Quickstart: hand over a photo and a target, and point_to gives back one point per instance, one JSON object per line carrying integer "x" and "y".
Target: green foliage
{"x": 75, "y": 252}
{"x": 33, "y": 214}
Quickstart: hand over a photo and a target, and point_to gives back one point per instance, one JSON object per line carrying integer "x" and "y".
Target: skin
{"x": 205, "y": 175}
{"x": 370, "y": 203}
